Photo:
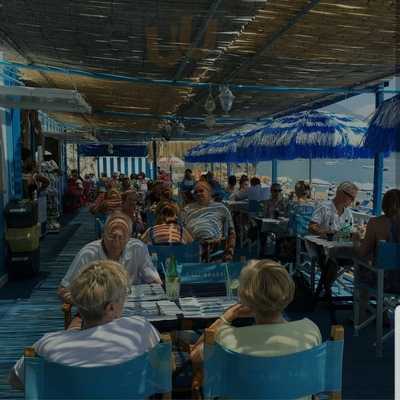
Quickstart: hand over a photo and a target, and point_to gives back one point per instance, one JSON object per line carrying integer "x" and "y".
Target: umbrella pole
{"x": 310, "y": 171}
{"x": 154, "y": 160}
{"x": 378, "y": 163}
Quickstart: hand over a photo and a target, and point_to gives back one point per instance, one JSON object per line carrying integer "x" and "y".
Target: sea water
{"x": 336, "y": 171}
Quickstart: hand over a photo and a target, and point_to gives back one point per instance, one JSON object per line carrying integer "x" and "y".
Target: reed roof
{"x": 295, "y": 43}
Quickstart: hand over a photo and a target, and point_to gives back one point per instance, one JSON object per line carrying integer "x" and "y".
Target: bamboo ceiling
{"x": 296, "y": 43}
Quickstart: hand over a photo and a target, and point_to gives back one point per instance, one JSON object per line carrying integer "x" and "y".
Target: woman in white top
{"x": 105, "y": 338}
{"x": 266, "y": 289}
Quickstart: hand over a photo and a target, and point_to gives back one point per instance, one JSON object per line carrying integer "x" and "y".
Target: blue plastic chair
{"x": 138, "y": 378}
{"x": 183, "y": 252}
{"x": 229, "y": 374}
{"x": 193, "y": 273}
{"x": 387, "y": 258}
{"x": 150, "y": 219}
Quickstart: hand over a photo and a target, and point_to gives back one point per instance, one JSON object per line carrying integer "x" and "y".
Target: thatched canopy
{"x": 295, "y": 43}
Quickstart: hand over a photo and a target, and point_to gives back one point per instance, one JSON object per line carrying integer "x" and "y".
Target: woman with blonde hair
{"x": 265, "y": 290}
{"x": 167, "y": 230}
{"x": 99, "y": 291}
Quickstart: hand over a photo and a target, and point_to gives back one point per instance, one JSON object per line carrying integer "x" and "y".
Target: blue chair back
{"x": 184, "y": 253}
{"x": 138, "y": 378}
{"x": 234, "y": 375}
{"x": 299, "y": 219}
{"x": 194, "y": 273}
{"x": 388, "y": 257}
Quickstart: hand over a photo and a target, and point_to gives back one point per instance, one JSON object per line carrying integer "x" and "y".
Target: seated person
{"x": 209, "y": 222}
{"x": 116, "y": 245}
{"x": 256, "y": 191}
{"x": 331, "y": 217}
{"x": 218, "y": 191}
{"x": 105, "y": 338}
{"x": 187, "y": 185}
{"x": 277, "y": 205}
{"x": 167, "y": 230}
{"x": 242, "y": 193}
{"x": 130, "y": 207}
{"x": 301, "y": 209}
{"x": 231, "y": 184}
{"x": 265, "y": 290}
{"x": 385, "y": 227}
{"x": 106, "y": 201}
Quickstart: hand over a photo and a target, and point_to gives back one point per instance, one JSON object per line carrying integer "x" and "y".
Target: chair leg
{"x": 379, "y": 314}
{"x": 356, "y": 308}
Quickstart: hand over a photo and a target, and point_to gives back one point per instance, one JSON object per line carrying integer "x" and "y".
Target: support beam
{"x": 274, "y": 173}
{"x": 198, "y": 39}
{"x": 378, "y": 163}
{"x": 154, "y": 144}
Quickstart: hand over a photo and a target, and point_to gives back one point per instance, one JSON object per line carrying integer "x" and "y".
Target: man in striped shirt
{"x": 209, "y": 222}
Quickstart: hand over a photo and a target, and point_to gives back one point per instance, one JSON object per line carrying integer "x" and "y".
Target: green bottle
{"x": 172, "y": 268}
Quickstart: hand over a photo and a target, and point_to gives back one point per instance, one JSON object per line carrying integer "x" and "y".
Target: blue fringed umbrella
{"x": 383, "y": 134}
{"x": 221, "y": 148}
{"x": 308, "y": 134}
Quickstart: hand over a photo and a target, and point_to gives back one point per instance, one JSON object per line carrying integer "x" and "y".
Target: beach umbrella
{"x": 222, "y": 147}
{"x": 167, "y": 162}
{"x": 383, "y": 134}
{"x": 308, "y": 134}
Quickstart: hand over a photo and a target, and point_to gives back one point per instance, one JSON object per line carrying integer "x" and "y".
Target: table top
{"x": 329, "y": 244}
{"x": 235, "y": 203}
{"x": 150, "y": 301}
{"x": 273, "y": 220}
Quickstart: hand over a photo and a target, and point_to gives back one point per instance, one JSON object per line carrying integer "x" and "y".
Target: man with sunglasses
{"x": 328, "y": 219}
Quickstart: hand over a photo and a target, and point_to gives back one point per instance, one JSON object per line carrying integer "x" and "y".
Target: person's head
{"x": 126, "y": 183}
{"x": 74, "y": 173}
{"x": 203, "y": 178}
{"x": 203, "y": 192}
{"x": 302, "y": 190}
{"x": 391, "y": 203}
{"x": 209, "y": 176}
{"x": 141, "y": 176}
{"x": 276, "y": 191}
{"x": 232, "y": 181}
{"x": 130, "y": 198}
{"x": 244, "y": 182}
{"x": 188, "y": 174}
{"x": 99, "y": 291}
{"x": 168, "y": 214}
{"x": 346, "y": 194}
{"x": 255, "y": 181}
{"x": 166, "y": 192}
{"x": 104, "y": 175}
{"x": 115, "y": 175}
{"x": 117, "y": 231}
{"x": 266, "y": 288}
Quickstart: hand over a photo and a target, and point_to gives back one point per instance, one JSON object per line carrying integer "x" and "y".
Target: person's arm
{"x": 148, "y": 272}
{"x": 14, "y": 380}
{"x": 315, "y": 226}
{"x": 187, "y": 237}
{"x": 232, "y": 313}
{"x": 83, "y": 257}
{"x": 145, "y": 237}
{"x": 368, "y": 245}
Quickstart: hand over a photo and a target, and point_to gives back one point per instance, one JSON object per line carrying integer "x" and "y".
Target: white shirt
{"x": 270, "y": 340}
{"x": 113, "y": 343}
{"x": 135, "y": 258}
{"x": 326, "y": 217}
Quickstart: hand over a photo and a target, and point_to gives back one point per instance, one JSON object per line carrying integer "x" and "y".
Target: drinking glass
{"x": 172, "y": 287}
